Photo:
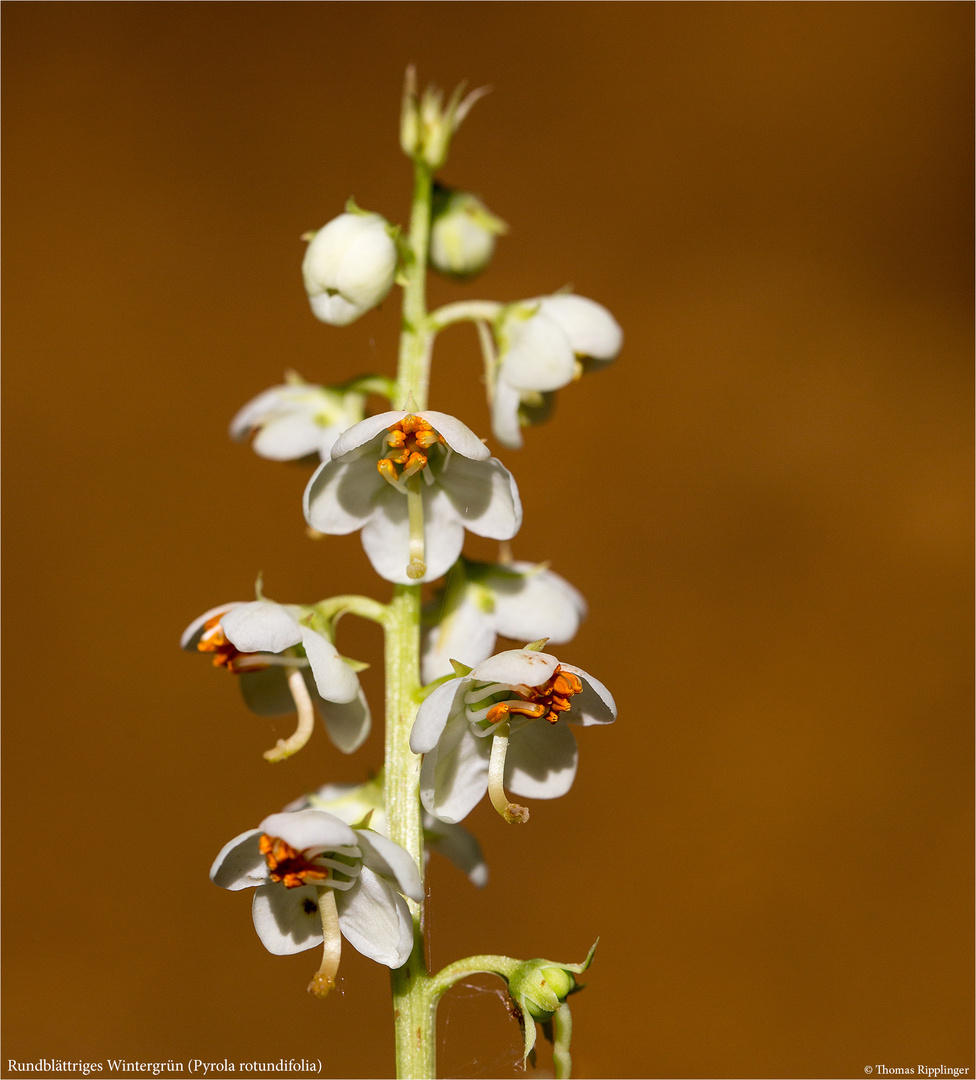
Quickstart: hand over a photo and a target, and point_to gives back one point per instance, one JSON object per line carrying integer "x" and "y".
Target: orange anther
{"x": 288, "y": 866}
{"x": 497, "y": 713}
{"x": 387, "y": 470}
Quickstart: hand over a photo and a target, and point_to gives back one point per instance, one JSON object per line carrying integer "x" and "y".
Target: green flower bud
{"x": 540, "y": 987}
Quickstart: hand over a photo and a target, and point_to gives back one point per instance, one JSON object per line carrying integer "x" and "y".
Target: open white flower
{"x": 544, "y": 344}
{"x": 284, "y": 666}
{"x": 505, "y": 725}
{"x": 349, "y": 266}
{"x": 355, "y": 803}
{"x": 412, "y": 482}
{"x": 520, "y": 600}
{"x": 297, "y": 419}
{"x": 316, "y": 878}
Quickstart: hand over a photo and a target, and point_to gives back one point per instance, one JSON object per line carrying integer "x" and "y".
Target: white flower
{"x": 522, "y": 601}
{"x": 284, "y": 667}
{"x": 505, "y": 725}
{"x": 297, "y": 419}
{"x": 413, "y": 483}
{"x": 316, "y": 877}
{"x": 545, "y": 344}
{"x": 349, "y": 267}
{"x": 462, "y": 237}
{"x": 354, "y": 803}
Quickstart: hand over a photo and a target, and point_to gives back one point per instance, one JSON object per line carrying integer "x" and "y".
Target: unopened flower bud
{"x": 540, "y": 987}
{"x": 349, "y": 266}
{"x": 462, "y": 239}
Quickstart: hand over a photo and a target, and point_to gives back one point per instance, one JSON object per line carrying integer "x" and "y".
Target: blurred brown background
{"x": 766, "y": 501}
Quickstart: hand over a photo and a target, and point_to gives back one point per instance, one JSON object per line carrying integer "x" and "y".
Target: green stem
{"x": 464, "y": 311}
{"x": 502, "y": 966}
{"x": 414, "y": 1008}
{"x": 413, "y": 372}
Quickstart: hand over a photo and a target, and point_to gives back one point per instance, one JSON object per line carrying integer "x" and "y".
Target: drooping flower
{"x": 543, "y": 345}
{"x": 316, "y": 878}
{"x": 463, "y": 233}
{"x": 296, "y": 419}
{"x": 481, "y": 601}
{"x": 355, "y": 803}
{"x": 412, "y": 482}
{"x": 284, "y": 666}
{"x": 349, "y": 266}
{"x": 505, "y": 724}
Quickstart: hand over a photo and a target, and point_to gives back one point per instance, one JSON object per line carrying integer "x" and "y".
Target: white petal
{"x": 366, "y": 273}
{"x": 257, "y": 411}
{"x": 454, "y": 775}
{"x": 595, "y": 705}
{"x": 591, "y": 329}
{"x": 287, "y": 438}
{"x": 484, "y": 496}
{"x": 287, "y": 920}
{"x": 386, "y": 536}
{"x": 459, "y": 437}
{"x": 365, "y": 431}
{"x": 348, "y": 725}
{"x": 306, "y": 829}
{"x": 541, "y": 761}
{"x": 240, "y": 864}
{"x": 505, "y": 423}
{"x": 266, "y": 692}
{"x": 456, "y": 843}
{"x": 334, "y": 678}
{"x": 434, "y": 712}
{"x": 536, "y": 604}
{"x": 389, "y": 860}
{"x": 261, "y": 626}
{"x": 466, "y": 633}
{"x": 192, "y": 634}
{"x": 376, "y": 921}
{"x": 334, "y": 309}
{"x": 517, "y": 667}
{"x": 538, "y": 355}
{"x": 340, "y": 496}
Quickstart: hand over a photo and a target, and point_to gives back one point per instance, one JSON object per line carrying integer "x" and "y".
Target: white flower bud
{"x": 349, "y": 267}
{"x": 462, "y": 239}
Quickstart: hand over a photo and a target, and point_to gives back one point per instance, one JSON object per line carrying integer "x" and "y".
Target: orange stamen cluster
{"x": 409, "y": 441}
{"x": 289, "y": 866}
{"x": 226, "y": 655}
{"x": 548, "y": 700}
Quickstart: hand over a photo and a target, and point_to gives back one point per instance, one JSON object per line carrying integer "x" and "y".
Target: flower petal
{"x": 386, "y": 536}
{"x": 375, "y": 920}
{"x": 538, "y": 355}
{"x": 459, "y": 845}
{"x": 390, "y": 861}
{"x": 365, "y": 431}
{"x": 240, "y": 864}
{"x": 541, "y": 761}
{"x": 517, "y": 667}
{"x": 309, "y": 829}
{"x": 434, "y": 712}
{"x": 454, "y": 775}
{"x": 287, "y": 920}
{"x": 340, "y": 496}
{"x": 505, "y": 425}
{"x": 334, "y": 678}
{"x": 591, "y": 329}
{"x": 465, "y": 633}
{"x": 287, "y": 438}
{"x": 535, "y": 604}
{"x": 266, "y": 692}
{"x": 484, "y": 496}
{"x": 348, "y": 724}
{"x": 192, "y": 634}
{"x": 595, "y": 705}
{"x": 261, "y": 626}
{"x": 459, "y": 437}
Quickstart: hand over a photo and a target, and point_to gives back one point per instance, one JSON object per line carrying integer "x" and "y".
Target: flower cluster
{"x": 462, "y": 720}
